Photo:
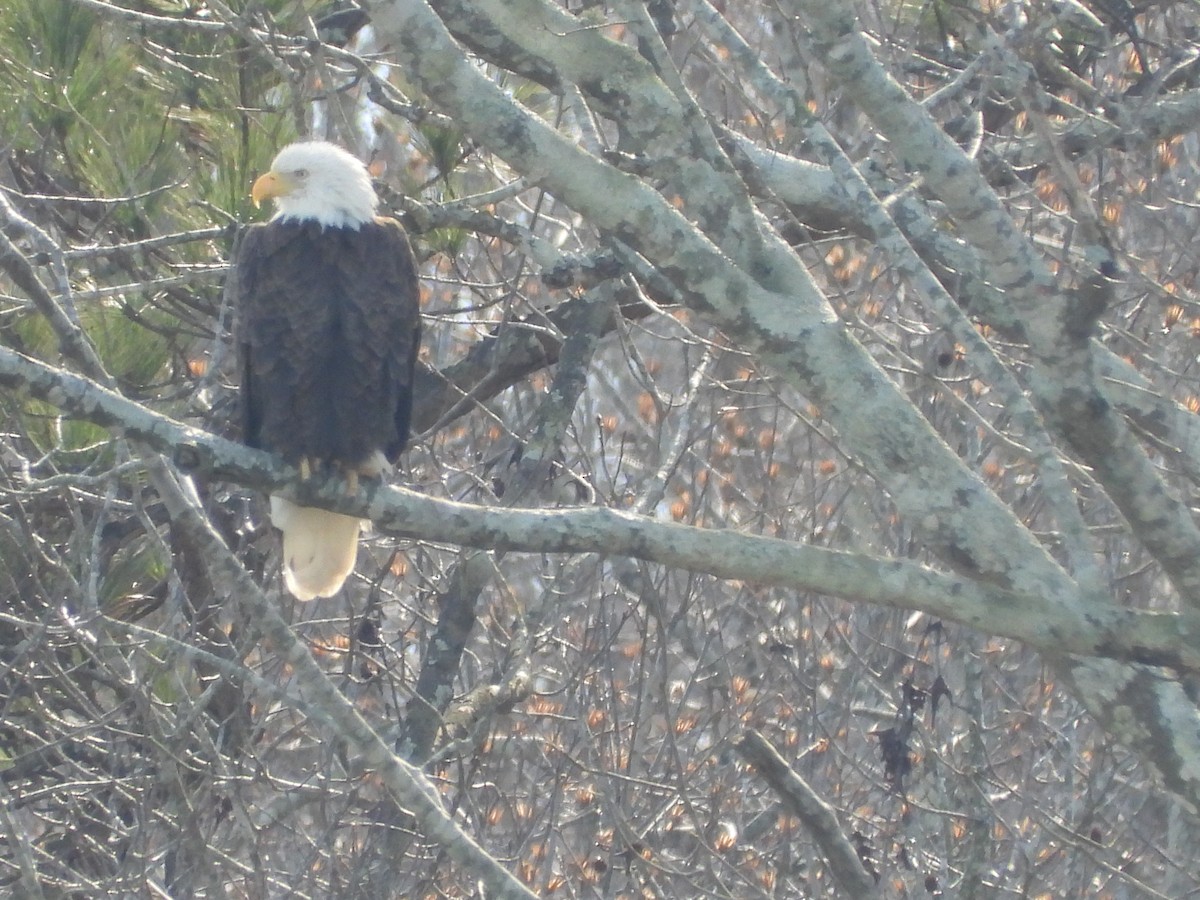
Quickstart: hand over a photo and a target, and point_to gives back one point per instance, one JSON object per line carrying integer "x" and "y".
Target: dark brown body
{"x": 328, "y": 334}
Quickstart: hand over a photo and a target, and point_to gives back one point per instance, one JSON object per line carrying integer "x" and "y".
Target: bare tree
{"x": 807, "y": 436}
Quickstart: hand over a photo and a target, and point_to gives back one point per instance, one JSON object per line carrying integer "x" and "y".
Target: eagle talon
{"x": 305, "y": 468}
{"x": 351, "y": 482}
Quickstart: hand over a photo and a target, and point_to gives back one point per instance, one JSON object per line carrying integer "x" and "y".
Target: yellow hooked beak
{"x": 269, "y": 186}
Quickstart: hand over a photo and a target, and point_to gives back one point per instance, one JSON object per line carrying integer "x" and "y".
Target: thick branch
{"x": 818, "y": 815}
{"x": 1053, "y": 623}
{"x": 808, "y": 189}
{"x": 774, "y": 310}
{"x": 1055, "y": 326}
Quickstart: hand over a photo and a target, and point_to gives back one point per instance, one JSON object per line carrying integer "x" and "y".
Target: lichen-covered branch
{"x": 1055, "y": 624}
{"x": 801, "y": 800}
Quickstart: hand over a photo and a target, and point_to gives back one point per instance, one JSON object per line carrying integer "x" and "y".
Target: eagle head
{"x": 316, "y": 180}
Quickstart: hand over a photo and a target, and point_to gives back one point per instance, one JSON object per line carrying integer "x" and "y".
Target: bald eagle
{"x": 328, "y": 330}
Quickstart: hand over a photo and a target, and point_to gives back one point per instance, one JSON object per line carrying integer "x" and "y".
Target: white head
{"x": 321, "y": 181}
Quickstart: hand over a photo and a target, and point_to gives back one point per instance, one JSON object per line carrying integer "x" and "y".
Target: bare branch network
{"x": 766, "y": 344}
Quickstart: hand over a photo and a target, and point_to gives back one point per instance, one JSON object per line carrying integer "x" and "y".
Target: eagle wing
{"x": 250, "y": 406}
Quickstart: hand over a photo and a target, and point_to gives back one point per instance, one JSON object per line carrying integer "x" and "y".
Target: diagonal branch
{"x": 1055, "y": 323}
{"x": 342, "y": 721}
{"x": 819, "y": 816}
{"x": 774, "y": 309}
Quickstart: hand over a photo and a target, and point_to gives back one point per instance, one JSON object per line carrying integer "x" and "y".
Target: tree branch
{"x": 1064, "y": 383}
{"x": 1056, "y": 624}
{"x": 818, "y": 815}
{"x": 343, "y": 722}
{"x": 772, "y": 307}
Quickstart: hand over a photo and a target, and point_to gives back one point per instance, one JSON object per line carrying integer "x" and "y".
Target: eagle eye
{"x": 301, "y": 173}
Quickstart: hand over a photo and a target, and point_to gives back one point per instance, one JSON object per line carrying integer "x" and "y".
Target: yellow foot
{"x": 305, "y": 468}
{"x": 351, "y": 482}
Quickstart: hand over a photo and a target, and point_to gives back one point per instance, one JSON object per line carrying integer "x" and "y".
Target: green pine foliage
{"x": 112, "y": 133}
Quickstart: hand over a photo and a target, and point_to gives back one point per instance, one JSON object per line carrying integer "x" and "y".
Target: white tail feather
{"x": 319, "y": 548}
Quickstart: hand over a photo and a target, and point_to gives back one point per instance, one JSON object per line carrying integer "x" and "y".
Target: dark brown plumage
{"x": 328, "y": 335}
